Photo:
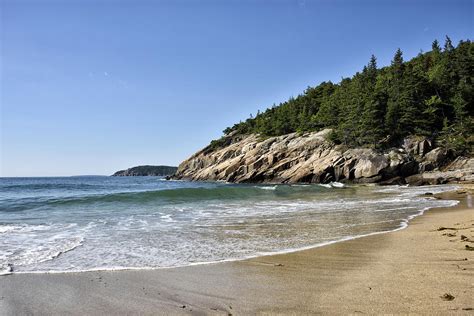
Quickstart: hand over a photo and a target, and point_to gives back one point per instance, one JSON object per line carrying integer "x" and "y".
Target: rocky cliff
{"x": 310, "y": 158}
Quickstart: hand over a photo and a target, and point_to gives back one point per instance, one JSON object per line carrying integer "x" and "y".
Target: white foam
{"x": 38, "y": 255}
{"x": 267, "y": 187}
{"x": 22, "y": 228}
{"x": 325, "y": 185}
{"x": 403, "y": 225}
{"x": 167, "y": 218}
{"x": 208, "y": 231}
{"x": 332, "y": 185}
{"x": 7, "y": 228}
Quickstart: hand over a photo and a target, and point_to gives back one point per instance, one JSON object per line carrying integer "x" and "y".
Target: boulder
{"x": 401, "y": 164}
{"x": 393, "y": 181}
{"x": 424, "y": 146}
{"x": 461, "y": 163}
{"x": 416, "y": 179}
{"x": 408, "y": 168}
{"x": 370, "y": 166}
{"x": 436, "y": 156}
{"x": 417, "y": 146}
{"x": 294, "y": 158}
{"x": 425, "y": 167}
{"x": 374, "y": 179}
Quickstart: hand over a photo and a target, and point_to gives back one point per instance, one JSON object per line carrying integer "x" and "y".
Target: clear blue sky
{"x": 89, "y": 87}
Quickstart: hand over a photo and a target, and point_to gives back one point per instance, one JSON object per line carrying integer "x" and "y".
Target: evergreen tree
{"x": 435, "y": 48}
{"x": 431, "y": 95}
{"x": 448, "y": 45}
{"x": 393, "y": 115}
{"x": 372, "y": 123}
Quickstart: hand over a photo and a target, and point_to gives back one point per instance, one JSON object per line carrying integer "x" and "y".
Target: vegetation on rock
{"x": 147, "y": 171}
{"x": 431, "y": 95}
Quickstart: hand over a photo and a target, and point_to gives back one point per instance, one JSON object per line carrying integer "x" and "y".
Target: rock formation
{"x": 310, "y": 158}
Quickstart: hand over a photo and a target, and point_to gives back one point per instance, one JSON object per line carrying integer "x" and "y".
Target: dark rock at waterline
{"x": 393, "y": 181}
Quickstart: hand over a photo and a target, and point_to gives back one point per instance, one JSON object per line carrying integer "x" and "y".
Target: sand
{"x": 416, "y": 270}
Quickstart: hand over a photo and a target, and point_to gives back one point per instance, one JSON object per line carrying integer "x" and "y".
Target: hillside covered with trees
{"x": 430, "y": 95}
{"x": 146, "y": 171}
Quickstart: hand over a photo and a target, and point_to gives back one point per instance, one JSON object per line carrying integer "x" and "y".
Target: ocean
{"x": 68, "y": 224}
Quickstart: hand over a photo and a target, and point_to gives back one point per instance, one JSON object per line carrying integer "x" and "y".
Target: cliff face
{"x": 310, "y": 158}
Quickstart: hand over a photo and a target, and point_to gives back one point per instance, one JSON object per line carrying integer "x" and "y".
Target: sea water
{"x": 94, "y": 223}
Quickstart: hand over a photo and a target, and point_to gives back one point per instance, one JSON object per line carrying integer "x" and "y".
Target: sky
{"x": 91, "y": 87}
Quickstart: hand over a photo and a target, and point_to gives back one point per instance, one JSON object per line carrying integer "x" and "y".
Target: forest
{"x": 430, "y": 95}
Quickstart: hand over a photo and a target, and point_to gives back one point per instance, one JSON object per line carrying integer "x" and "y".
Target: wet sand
{"x": 419, "y": 270}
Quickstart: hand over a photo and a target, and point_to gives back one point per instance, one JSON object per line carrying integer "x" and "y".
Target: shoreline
{"x": 403, "y": 225}
{"x": 320, "y": 279}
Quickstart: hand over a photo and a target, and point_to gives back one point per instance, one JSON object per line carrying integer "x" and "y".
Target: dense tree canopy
{"x": 430, "y": 95}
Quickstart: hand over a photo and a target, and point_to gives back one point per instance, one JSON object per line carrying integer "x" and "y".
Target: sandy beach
{"x": 423, "y": 269}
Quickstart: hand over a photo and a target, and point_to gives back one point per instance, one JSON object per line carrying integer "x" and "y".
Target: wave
{"x": 267, "y": 187}
{"x": 4, "y": 229}
{"x": 239, "y": 221}
{"x": 39, "y": 255}
{"x": 50, "y": 186}
{"x": 402, "y": 224}
{"x": 180, "y": 195}
{"x": 331, "y": 185}
{"x": 220, "y": 192}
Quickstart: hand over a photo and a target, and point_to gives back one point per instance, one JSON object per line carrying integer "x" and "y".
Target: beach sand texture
{"x": 421, "y": 270}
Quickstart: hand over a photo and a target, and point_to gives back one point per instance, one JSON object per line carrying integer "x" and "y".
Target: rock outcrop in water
{"x": 310, "y": 158}
{"x": 146, "y": 171}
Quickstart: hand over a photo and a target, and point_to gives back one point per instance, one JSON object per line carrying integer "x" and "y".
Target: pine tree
{"x": 372, "y": 119}
{"x": 432, "y": 95}
{"x": 372, "y": 69}
{"x": 435, "y": 48}
{"x": 392, "y": 118}
{"x": 448, "y": 45}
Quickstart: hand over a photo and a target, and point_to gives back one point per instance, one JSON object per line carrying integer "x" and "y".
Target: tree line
{"x": 430, "y": 95}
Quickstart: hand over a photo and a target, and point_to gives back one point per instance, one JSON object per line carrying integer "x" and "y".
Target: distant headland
{"x": 146, "y": 171}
